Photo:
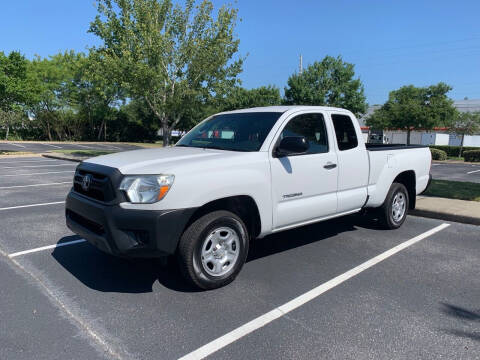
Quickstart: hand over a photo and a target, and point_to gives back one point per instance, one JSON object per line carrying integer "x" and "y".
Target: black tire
{"x": 386, "y": 214}
{"x": 197, "y": 235}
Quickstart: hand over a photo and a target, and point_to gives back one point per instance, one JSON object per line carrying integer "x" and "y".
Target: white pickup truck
{"x": 238, "y": 176}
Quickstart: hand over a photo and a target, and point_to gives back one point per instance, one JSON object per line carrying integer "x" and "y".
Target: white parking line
{"x": 46, "y": 248}
{"x": 24, "y": 186}
{"x": 474, "y": 171}
{"x": 31, "y": 205}
{"x": 44, "y": 173}
{"x": 55, "y": 146}
{"x": 284, "y": 309}
{"x": 83, "y": 146}
{"x": 36, "y": 166}
{"x": 16, "y": 145}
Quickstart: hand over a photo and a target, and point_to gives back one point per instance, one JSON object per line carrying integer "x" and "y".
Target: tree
{"x": 466, "y": 123}
{"x": 172, "y": 58}
{"x": 14, "y": 90}
{"x": 329, "y": 82}
{"x": 415, "y": 108}
{"x": 241, "y": 98}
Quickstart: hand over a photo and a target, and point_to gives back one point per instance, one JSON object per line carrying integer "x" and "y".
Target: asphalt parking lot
{"x": 341, "y": 289}
{"x": 40, "y": 147}
{"x": 456, "y": 172}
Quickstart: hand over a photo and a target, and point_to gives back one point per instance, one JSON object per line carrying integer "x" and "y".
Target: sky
{"x": 391, "y": 43}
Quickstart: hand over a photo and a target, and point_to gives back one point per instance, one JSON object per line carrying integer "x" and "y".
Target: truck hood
{"x": 160, "y": 160}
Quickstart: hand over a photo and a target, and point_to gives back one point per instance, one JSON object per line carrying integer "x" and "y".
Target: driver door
{"x": 304, "y": 187}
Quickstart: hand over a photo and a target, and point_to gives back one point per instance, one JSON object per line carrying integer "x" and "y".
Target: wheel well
{"x": 243, "y": 206}
{"x": 408, "y": 179}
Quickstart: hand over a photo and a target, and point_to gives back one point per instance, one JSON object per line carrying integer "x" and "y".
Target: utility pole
{"x": 301, "y": 64}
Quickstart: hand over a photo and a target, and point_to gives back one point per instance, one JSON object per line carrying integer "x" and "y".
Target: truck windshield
{"x": 234, "y": 132}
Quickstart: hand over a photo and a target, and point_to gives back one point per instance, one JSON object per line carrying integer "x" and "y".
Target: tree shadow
{"x": 464, "y": 315}
{"x": 106, "y": 273}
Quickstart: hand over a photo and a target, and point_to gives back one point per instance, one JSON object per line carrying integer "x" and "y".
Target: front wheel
{"x": 213, "y": 249}
{"x": 394, "y": 210}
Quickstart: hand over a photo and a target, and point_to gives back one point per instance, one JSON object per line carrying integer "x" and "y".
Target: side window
{"x": 312, "y": 127}
{"x": 345, "y": 132}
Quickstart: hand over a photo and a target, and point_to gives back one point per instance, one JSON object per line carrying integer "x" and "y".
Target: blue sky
{"x": 392, "y": 43}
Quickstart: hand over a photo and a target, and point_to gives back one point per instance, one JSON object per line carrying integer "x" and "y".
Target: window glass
{"x": 345, "y": 132}
{"x": 235, "y": 132}
{"x": 312, "y": 127}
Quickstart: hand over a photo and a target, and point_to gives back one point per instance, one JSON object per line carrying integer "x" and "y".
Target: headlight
{"x": 146, "y": 189}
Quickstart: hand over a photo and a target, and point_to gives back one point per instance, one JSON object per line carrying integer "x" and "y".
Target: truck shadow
{"x": 106, "y": 273}
{"x": 466, "y": 318}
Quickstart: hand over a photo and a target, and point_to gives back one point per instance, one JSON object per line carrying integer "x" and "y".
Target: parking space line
{"x": 55, "y": 146}
{"x": 284, "y": 309}
{"x": 44, "y": 173}
{"x": 16, "y": 145}
{"x": 36, "y": 166}
{"x": 31, "y": 205}
{"x": 474, "y": 171}
{"x": 46, "y": 248}
{"x": 32, "y": 185}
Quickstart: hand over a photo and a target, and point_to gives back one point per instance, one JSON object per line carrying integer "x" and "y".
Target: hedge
{"x": 472, "y": 155}
{"x": 438, "y": 154}
{"x": 452, "y": 150}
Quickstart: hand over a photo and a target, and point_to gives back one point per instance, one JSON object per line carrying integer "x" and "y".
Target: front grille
{"x": 86, "y": 223}
{"x": 100, "y": 187}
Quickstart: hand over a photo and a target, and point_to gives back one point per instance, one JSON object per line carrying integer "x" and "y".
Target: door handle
{"x": 330, "y": 165}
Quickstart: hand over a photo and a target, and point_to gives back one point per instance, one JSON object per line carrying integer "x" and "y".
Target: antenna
{"x": 301, "y": 64}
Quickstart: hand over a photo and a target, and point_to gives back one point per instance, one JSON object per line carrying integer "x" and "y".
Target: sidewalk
{"x": 467, "y": 212}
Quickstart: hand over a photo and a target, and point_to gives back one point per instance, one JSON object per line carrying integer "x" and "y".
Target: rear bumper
{"x": 126, "y": 232}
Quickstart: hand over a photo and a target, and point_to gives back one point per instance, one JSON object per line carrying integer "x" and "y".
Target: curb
{"x": 445, "y": 216}
{"x": 60, "y": 157}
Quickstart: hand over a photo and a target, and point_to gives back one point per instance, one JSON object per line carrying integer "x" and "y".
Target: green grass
{"x": 454, "y": 190}
{"x": 455, "y": 158}
{"x": 90, "y": 153}
{"x": 13, "y": 152}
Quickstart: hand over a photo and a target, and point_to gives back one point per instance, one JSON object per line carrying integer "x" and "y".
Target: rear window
{"x": 345, "y": 132}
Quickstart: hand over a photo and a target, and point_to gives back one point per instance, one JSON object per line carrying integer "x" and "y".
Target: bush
{"x": 438, "y": 154}
{"x": 452, "y": 150}
{"x": 472, "y": 155}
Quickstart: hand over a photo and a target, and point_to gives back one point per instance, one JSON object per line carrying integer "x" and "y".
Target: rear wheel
{"x": 394, "y": 210}
{"x": 213, "y": 249}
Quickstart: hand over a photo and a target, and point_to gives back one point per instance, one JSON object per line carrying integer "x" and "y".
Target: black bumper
{"x": 126, "y": 232}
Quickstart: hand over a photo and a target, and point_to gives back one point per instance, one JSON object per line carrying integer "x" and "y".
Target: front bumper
{"x": 126, "y": 232}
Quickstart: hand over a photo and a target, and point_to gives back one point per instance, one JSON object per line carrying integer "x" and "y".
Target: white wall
{"x": 472, "y": 140}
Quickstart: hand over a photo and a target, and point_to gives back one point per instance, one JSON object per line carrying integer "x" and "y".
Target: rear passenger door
{"x": 304, "y": 186}
{"x": 353, "y": 163}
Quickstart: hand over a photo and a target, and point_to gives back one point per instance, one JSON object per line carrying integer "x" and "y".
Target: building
{"x": 427, "y": 137}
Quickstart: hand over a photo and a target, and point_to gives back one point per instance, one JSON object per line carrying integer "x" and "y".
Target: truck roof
{"x": 284, "y": 108}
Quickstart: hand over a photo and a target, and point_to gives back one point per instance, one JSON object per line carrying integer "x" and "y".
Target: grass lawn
{"x": 13, "y": 152}
{"x": 454, "y": 190}
{"x": 90, "y": 153}
{"x": 455, "y": 158}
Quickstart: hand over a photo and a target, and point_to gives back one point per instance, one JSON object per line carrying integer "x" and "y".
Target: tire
{"x": 394, "y": 210}
{"x": 213, "y": 249}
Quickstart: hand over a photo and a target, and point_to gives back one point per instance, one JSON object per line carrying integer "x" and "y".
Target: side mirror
{"x": 292, "y": 145}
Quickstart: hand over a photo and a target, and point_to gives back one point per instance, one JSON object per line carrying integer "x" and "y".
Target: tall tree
{"x": 329, "y": 82}
{"x": 415, "y": 108}
{"x": 14, "y": 89}
{"x": 466, "y": 123}
{"x": 169, "y": 56}
{"x": 241, "y": 98}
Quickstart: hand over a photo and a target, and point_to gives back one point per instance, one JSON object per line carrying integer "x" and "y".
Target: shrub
{"x": 452, "y": 150}
{"x": 472, "y": 155}
{"x": 438, "y": 154}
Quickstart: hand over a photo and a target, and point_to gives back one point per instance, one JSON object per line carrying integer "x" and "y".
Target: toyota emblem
{"x": 87, "y": 179}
